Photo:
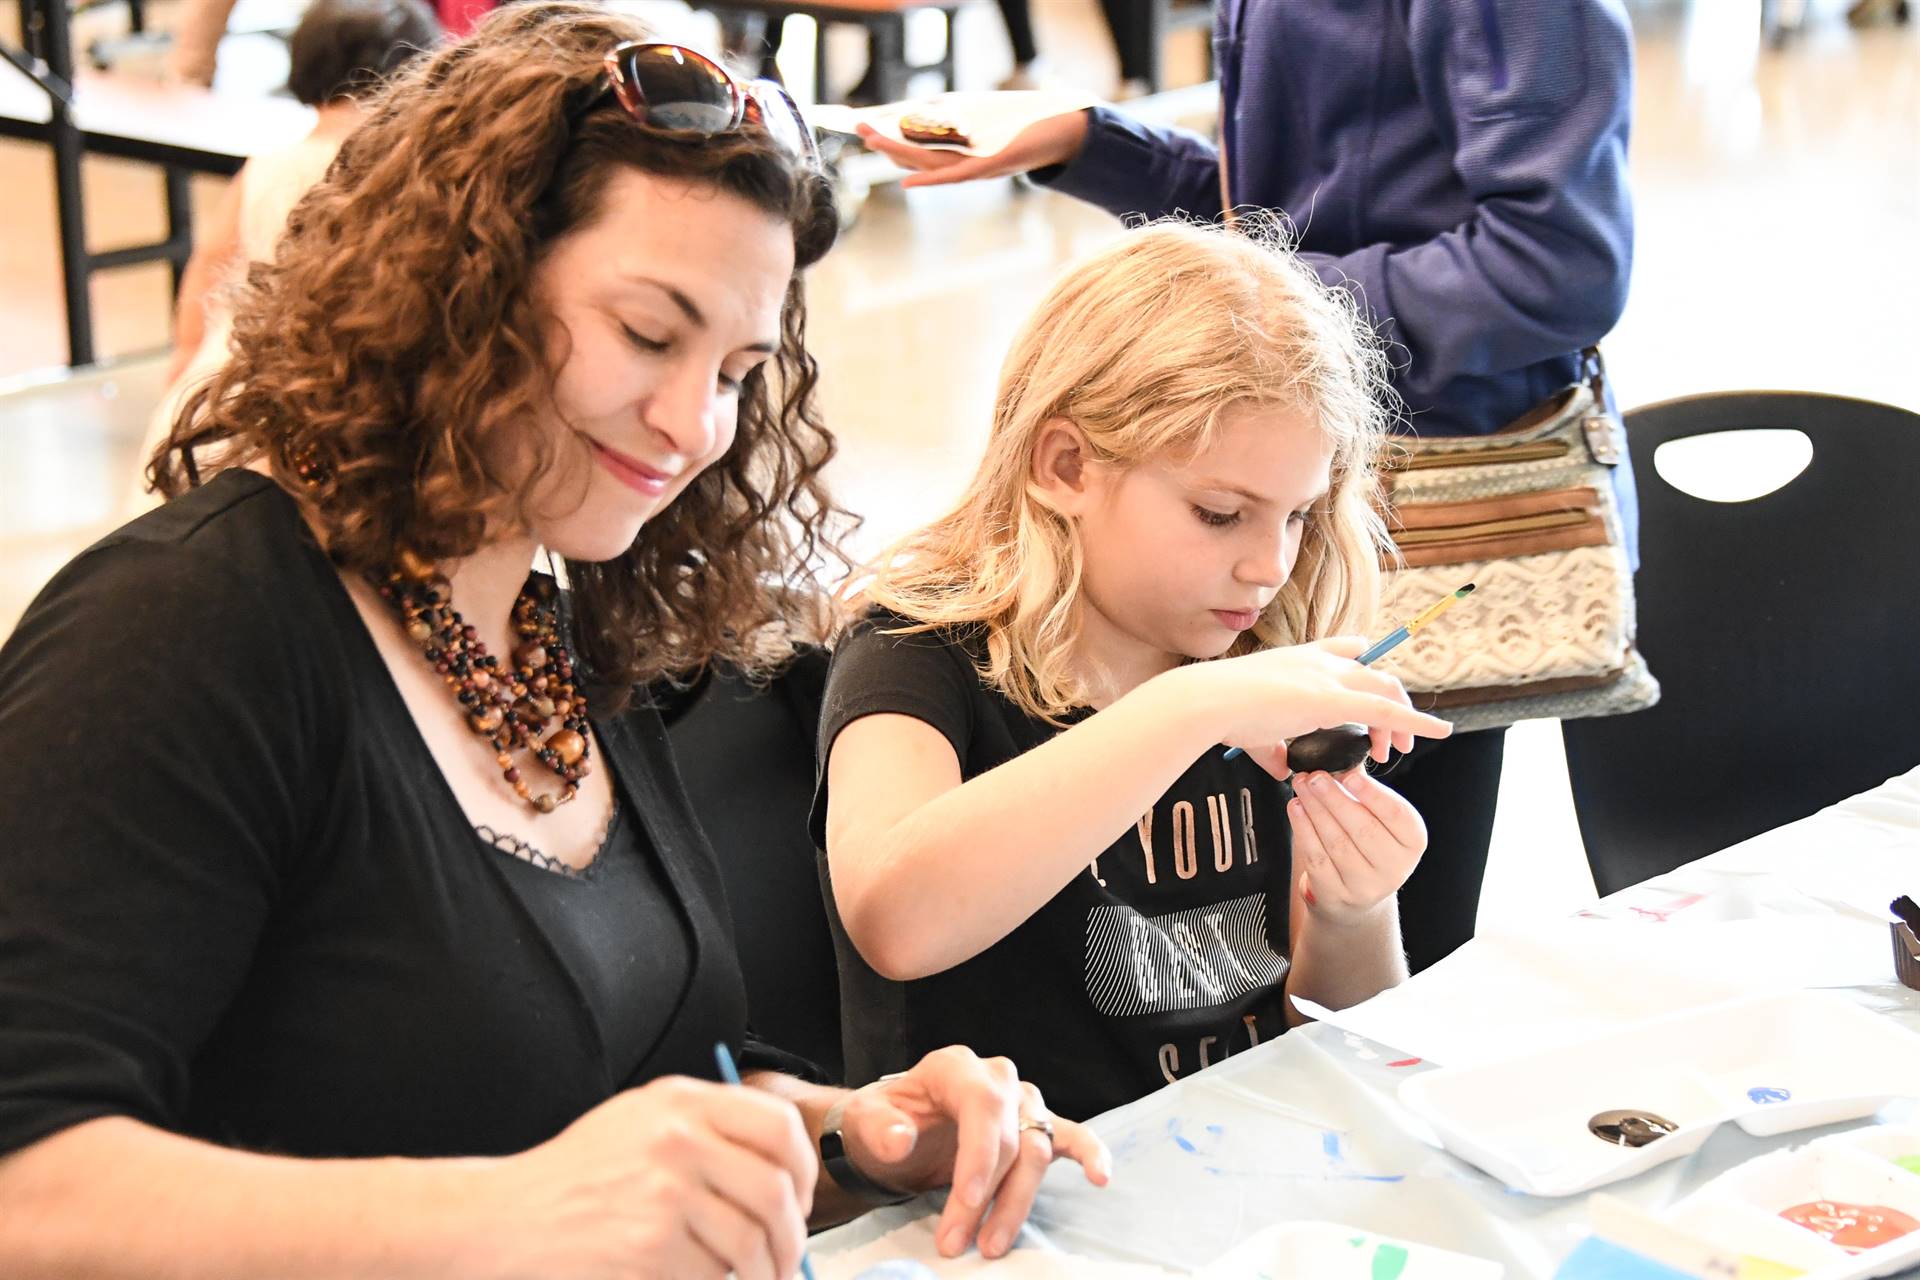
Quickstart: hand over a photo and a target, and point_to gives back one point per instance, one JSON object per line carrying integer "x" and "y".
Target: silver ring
{"x": 1037, "y": 1124}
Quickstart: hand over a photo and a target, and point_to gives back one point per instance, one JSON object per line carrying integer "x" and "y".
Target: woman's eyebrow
{"x": 695, "y": 317}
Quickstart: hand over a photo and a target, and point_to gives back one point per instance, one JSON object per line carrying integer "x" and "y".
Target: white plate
{"x": 1773, "y": 1063}
{"x": 990, "y": 120}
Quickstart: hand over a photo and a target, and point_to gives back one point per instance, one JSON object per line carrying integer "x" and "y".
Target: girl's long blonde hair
{"x": 1144, "y": 346}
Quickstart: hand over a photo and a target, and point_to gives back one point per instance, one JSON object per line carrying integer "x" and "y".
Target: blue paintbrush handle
{"x": 723, "y": 1058}
{"x": 1382, "y": 647}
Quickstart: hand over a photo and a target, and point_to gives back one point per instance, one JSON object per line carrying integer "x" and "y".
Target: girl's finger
{"x": 1385, "y": 713}
{"x": 1321, "y": 869}
{"x": 1345, "y": 828}
{"x": 1399, "y": 819}
{"x": 1274, "y": 761}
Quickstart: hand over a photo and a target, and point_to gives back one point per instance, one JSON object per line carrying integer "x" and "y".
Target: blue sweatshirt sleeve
{"x": 1534, "y": 97}
{"x": 1130, "y": 168}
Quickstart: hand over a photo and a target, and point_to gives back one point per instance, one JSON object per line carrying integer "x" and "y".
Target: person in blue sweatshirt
{"x": 1461, "y": 165}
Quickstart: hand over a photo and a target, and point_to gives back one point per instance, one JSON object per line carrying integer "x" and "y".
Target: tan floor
{"x": 1779, "y": 246}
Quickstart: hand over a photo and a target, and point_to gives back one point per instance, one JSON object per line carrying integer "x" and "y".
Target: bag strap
{"x": 1592, "y": 370}
{"x": 1606, "y": 433}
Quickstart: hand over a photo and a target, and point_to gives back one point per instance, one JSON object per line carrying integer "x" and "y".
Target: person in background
{"x": 1126, "y": 22}
{"x": 340, "y": 53}
{"x": 193, "y": 53}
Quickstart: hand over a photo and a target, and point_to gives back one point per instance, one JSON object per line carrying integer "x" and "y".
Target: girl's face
{"x": 1181, "y": 557}
{"x": 661, "y": 306}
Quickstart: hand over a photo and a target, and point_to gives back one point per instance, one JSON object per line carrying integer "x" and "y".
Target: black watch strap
{"x": 840, "y": 1167}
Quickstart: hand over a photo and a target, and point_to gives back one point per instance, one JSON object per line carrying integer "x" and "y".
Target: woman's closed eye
{"x": 640, "y": 341}
{"x": 727, "y": 383}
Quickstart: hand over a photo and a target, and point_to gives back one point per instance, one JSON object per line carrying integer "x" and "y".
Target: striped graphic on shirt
{"x": 1182, "y": 960}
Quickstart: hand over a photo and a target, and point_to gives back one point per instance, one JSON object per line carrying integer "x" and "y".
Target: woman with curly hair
{"x": 354, "y": 921}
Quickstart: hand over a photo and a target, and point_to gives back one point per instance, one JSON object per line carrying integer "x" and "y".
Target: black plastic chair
{"x": 746, "y": 755}
{"x": 1785, "y": 632}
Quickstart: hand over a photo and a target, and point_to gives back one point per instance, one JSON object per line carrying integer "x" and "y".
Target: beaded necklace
{"x": 509, "y": 709}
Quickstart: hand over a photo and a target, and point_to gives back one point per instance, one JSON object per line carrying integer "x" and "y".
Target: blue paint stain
{"x": 1331, "y": 1144}
{"x": 1767, "y": 1097}
{"x": 1206, "y": 1146}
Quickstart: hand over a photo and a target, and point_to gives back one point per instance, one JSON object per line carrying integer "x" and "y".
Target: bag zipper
{"x": 1538, "y": 451}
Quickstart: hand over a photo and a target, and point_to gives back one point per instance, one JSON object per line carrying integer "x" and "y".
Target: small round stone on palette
{"x": 1334, "y": 750}
{"x": 1630, "y": 1128}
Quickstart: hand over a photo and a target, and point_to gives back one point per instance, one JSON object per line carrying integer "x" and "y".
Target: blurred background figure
{"x": 341, "y": 51}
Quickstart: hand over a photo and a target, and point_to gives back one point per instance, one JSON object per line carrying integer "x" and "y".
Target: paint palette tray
{"x": 1770, "y": 1064}
{"x": 1329, "y": 1251}
{"x": 1866, "y": 1194}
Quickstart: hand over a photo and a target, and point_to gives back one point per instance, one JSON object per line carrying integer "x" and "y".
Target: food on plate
{"x": 926, "y": 127}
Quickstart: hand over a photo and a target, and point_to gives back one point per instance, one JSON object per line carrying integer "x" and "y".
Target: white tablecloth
{"x": 1307, "y": 1127}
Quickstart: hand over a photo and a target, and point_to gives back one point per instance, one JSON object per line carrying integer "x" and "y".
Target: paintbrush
{"x": 723, "y": 1057}
{"x": 1392, "y": 640}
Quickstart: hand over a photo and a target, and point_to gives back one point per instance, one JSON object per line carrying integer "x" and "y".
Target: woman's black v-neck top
{"x": 239, "y": 901}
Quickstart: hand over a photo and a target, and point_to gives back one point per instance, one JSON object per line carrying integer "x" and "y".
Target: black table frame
{"x": 45, "y": 56}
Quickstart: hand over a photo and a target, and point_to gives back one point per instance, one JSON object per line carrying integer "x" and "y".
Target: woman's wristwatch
{"x": 840, "y": 1167}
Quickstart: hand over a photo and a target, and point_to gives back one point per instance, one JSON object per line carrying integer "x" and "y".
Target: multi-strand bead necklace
{"x": 511, "y": 709}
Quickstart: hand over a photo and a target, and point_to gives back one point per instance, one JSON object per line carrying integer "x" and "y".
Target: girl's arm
{"x": 929, "y": 871}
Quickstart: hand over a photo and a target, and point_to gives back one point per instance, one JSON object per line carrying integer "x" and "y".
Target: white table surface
{"x": 1308, "y": 1126}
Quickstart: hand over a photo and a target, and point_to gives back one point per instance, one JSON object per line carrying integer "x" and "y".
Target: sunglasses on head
{"x": 681, "y": 93}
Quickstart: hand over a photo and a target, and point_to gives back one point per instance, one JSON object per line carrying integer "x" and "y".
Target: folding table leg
{"x": 179, "y": 220}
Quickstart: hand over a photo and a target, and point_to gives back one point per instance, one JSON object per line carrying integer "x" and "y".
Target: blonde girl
{"x": 1034, "y": 843}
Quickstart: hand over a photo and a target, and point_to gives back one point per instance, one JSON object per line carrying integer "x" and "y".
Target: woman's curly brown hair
{"x": 395, "y": 344}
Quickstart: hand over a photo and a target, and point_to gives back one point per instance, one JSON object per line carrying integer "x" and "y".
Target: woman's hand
{"x": 1054, "y": 140}
{"x": 1262, "y": 699}
{"x": 1356, "y": 840}
{"x": 957, "y": 1119}
{"x": 678, "y": 1178}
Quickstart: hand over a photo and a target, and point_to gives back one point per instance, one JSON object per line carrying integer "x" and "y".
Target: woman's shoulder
{"x": 239, "y": 518}
{"x": 204, "y": 624}
{"x": 232, "y": 553}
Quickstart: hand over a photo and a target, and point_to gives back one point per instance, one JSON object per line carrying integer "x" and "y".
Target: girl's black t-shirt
{"x": 238, "y": 900}
{"x": 1165, "y": 954}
